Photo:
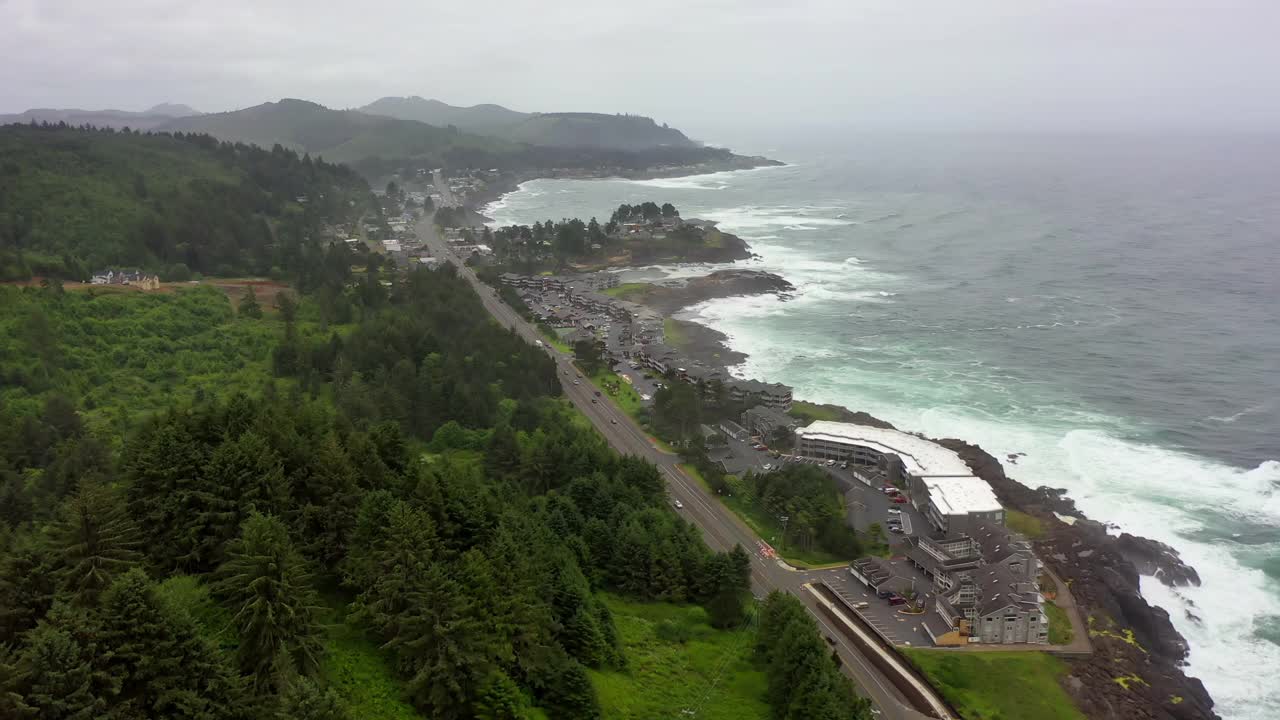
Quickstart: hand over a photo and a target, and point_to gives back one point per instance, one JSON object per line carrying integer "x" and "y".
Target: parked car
{"x": 844, "y": 465}
{"x": 896, "y": 529}
{"x": 861, "y": 606}
{"x": 899, "y": 499}
{"x": 888, "y": 489}
{"x": 830, "y": 463}
{"x": 897, "y": 600}
{"x": 597, "y": 392}
{"x": 895, "y": 511}
{"x": 885, "y": 594}
{"x": 576, "y": 382}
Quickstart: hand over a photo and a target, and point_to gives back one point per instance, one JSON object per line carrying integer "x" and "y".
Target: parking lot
{"x": 900, "y": 629}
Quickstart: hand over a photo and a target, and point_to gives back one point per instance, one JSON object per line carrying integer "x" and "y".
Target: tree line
{"x": 417, "y": 469}
{"x": 78, "y": 200}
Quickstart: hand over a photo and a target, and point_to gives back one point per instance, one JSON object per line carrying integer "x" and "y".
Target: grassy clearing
{"x": 621, "y": 391}
{"x": 678, "y": 662}
{"x": 978, "y": 684}
{"x": 626, "y": 291}
{"x": 1028, "y": 525}
{"x": 674, "y": 335}
{"x": 554, "y": 340}
{"x": 767, "y": 526}
{"x": 809, "y": 412}
{"x": 361, "y": 673}
{"x": 1060, "y": 632}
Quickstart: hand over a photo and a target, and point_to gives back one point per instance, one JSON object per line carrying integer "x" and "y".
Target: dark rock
{"x": 1157, "y": 560}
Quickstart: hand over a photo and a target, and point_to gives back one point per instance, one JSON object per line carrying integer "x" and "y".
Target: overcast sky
{"x": 703, "y": 65}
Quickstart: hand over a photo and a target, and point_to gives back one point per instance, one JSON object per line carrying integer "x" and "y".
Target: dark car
{"x": 897, "y": 600}
{"x": 885, "y": 594}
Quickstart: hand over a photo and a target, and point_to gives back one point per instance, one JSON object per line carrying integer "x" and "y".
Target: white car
{"x": 577, "y": 382}
{"x": 895, "y": 511}
{"x": 767, "y": 466}
{"x": 679, "y": 505}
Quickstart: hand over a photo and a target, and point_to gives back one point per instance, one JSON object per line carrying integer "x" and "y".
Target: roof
{"x": 921, "y": 458}
{"x": 776, "y": 417}
{"x": 961, "y": 495}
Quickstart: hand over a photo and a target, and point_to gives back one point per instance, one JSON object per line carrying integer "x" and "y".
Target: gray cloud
{"x": 704, "y": 65}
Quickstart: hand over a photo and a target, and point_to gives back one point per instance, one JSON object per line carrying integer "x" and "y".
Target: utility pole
{"x": 784, "y": 519}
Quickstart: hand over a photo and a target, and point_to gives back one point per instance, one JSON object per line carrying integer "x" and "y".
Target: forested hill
{"x": 337, "y": 135}
{"x": 557, "y": 129}
{"x": 379, "y": 513}
{"x": 74, "y": 201}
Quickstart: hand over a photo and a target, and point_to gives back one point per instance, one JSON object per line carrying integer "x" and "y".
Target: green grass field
{"x": 626, "y": 396}
{"x": 1060, "y": 632}
{"x": 979, "y": 685}
{"x": 1021, "y": 522}
{"x": 809, "y": 412}
{"x": 674, "y": 335}
{"x": 626, "y": 291}
{"x": 710, "y": 673}
{"x": 768, "y": 528}
{"x": 362, "y": 675}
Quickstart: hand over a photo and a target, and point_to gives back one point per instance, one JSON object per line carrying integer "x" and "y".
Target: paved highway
{"x": 720, "y": 527}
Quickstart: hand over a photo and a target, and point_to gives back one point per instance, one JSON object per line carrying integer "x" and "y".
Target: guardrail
{"x": 880, "y": 652}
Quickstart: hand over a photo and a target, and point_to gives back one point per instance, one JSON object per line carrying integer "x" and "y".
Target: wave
{"x": 1242, "y": 413}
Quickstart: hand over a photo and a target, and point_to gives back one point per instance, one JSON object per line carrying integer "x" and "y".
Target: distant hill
{"x": 347, "y": 136}
{"x": 76, "y": 201}
{"x": 616, "y": 132}
{"x": 565, "y": 130}
{"x": 145, "y": 120}
{"x": 482, "y": 119}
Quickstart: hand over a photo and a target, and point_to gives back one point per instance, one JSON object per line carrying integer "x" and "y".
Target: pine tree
{"x": 27, "y": 586}
{"x": 242, "y": 476}
{"x": 265, "y": 583}
{"x": 54, "y": 677}
{"x": 249, "y": 307}
{"x": 159, "y": 663}
{"x": 308, "y": 701}
{"x": 95, "y": 539}
{"x": 441, "y": 643}
{"x": 500, "y": 699}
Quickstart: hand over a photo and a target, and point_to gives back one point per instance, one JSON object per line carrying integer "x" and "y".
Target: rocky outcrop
{"x": 1157, "y": 560}
{"x": 674, "y": 295}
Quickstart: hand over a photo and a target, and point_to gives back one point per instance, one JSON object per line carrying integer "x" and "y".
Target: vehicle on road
{"x": 575, "y": 382}
{"x": 538, "y": 343}
{"x": 895, "y": 511}
{"x": 679, "y": 505}
{"x": 594, "y": 401}
{"x": 597, "y": 393}
{"x": 615, "y": 422}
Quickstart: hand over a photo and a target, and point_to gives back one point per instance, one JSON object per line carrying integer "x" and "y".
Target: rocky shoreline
{"x": 1136, "y": 670}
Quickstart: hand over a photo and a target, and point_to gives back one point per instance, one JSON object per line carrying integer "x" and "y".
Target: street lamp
{"x": 784, "y": 519}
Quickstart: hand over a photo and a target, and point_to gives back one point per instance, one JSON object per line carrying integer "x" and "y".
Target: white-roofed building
{"x": 938, "y": 480}
{"x": 956, "y": 504}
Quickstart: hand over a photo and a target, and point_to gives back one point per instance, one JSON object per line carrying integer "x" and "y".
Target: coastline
{"x": 1104, "y": 570}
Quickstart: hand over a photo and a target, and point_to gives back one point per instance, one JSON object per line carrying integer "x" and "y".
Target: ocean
{"x": 1107, "y": 305}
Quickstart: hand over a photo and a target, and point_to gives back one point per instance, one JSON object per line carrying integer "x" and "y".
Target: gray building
{"x": 763, "y": 420}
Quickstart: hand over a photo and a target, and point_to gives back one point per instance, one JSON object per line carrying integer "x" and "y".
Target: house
{"x": 136, "y": 278}
{"x": 763, "y": 421}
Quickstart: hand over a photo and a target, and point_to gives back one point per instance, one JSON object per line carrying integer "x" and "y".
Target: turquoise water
{"x": 1105, "y": 305}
